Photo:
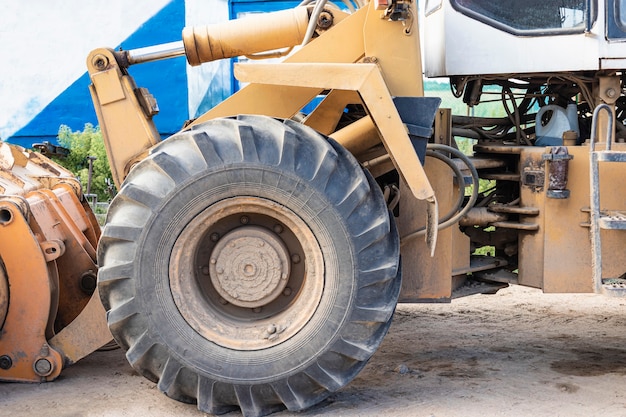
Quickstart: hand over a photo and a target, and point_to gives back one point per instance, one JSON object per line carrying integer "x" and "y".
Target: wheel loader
{"x": 254, "y": 260}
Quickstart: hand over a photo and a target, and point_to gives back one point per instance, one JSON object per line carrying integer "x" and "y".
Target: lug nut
{"x": 278, "y": 229}
{"x": 257, "y": 309}
{"x": 295, "y": 258}
{"x": 215, "y": 237}
{"x": 287, "y": 292}
{"x": 244, "y": 219}
{"x": 205, "y": 270}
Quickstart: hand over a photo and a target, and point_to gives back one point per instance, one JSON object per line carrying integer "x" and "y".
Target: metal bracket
{"x": 24, "y": 351}
{"x": 367, "y": 80}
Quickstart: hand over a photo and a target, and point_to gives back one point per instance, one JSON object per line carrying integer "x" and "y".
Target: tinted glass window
{"x": 620, "y": 13}
{"x": 527, "y": 15}
{"x": 616, "y": 23}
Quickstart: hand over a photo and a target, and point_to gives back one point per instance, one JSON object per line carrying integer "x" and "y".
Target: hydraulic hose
{"x": 451, "y": 218}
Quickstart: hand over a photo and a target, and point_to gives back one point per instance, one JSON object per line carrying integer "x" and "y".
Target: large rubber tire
{"x": 291, "y": 217}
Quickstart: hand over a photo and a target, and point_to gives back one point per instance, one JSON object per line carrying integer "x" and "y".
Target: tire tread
{"x": 325, "y": 166}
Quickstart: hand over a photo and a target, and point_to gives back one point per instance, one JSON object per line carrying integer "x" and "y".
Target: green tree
{"x": 83, "y": 144}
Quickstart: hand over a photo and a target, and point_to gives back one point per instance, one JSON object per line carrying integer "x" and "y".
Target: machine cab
{"x": 471, "y": 37}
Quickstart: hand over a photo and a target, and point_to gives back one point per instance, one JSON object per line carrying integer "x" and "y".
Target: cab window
{"x": 530, "y": 17}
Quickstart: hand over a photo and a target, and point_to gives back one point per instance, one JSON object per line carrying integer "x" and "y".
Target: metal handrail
{"x": 594, "y": 123}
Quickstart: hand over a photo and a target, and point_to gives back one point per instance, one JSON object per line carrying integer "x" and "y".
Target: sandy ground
{"x": 516, "y": 353}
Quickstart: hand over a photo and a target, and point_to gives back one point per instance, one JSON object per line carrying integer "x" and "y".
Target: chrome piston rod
{"x": 155, "y": 53}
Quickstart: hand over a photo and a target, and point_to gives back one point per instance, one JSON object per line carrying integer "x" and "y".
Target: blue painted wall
{"x": 166, "y": 80}
{"x": 182, "y": 92}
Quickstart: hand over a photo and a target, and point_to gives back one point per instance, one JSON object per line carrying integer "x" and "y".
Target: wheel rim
{"x": 247, "y": 273}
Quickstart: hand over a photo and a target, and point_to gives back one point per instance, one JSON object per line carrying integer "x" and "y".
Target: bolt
{"x": 325, "y": 20}
{"x": 205, "y": 270}
{"x": 88, "y": 282}
{"x": 213, "y": 261}
{"x": 235, "y": 296}
{"x": 278, "y": 229}
{"x": 257, "y": 309}
{"x": 295, "y": 258}
{"x": 43, "y": 367}
{"x": 283, "y": 276}
{"x": 244, "y": 220}
{"x": 220, "y": 270}
{"x": 5, "y": 362}
{"x": 287, "y": 292}
{"x": 611, "y": 93}
{"x": 271, "y": 329}
{"x": 100, "y": 62}
{"x": 215, "y": 237}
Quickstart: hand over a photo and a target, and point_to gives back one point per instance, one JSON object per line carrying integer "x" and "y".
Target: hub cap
{"x": 249, "y": 267}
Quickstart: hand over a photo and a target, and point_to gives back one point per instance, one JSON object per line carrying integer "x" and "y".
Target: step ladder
{"x": 603, "y": 219}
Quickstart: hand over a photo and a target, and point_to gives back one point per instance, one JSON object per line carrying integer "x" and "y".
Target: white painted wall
{"x": 45, "y": 43}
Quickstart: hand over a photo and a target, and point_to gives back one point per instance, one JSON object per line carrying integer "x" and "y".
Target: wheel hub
{"x": 247, "y": 273}
{"x": 249, "y": 267}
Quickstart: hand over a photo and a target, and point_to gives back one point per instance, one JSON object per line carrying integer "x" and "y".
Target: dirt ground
{"x": 516, "y": 353}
